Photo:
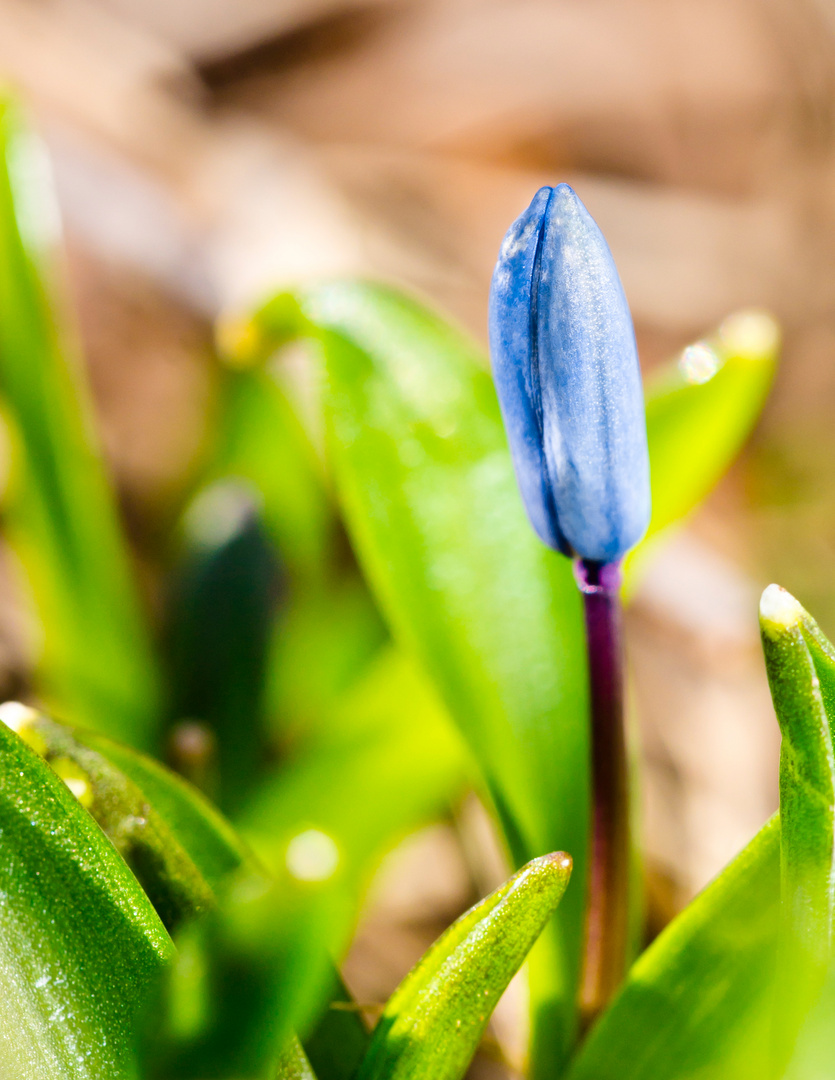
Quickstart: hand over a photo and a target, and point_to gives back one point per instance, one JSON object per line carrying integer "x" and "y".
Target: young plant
{"x": 144, "y": 937}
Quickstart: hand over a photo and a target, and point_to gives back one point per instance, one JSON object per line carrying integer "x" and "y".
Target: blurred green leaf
{"x": 814, "y": 1054}
{"x": 81, "y": 947}
{"x": 321, "y": 645}
{"x": 96, "y": 668}
{"x": 698, "y": 1002}
{"x": 387, "y": 762}
{"x": 433, "y": 1022}
{"x": 700, "y": 411}
{"x": 261, "y": 441}
{"x": 807, "y": 806}
{"x": 326, "y": 610}
{"x": 222, "y": 608}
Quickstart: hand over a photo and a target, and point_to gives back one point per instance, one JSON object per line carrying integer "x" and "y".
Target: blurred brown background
{"x": 208, "y": 150}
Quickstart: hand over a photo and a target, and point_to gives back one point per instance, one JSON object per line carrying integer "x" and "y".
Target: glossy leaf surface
{"x": 80, "y": 944}
{"x": 97, "y": 667}
{"x": 698, "y": 1002}
{"x": 433, "y": 1022}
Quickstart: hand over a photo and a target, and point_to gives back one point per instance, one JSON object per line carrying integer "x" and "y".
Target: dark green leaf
{"x": 223, "y": 606}
{"x": 433, "y": 1022}
{"x": 81, "y": 947}
{"x": 338, "y": 1043}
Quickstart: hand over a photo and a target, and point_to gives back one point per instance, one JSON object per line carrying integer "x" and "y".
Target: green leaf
{"x": 293, "y": 1064}
{"x": 433, "y": 1022}
{"x": 339, "y": 1042}
{"x": 208, "y": 839}
{"x": 81, "y": 947}
{"x": 698, "y": 1003}
{"x": 814, "y": 1053}
{"x": 261, "y": 441}
{"x": 700, "y": 411}
{"x": 807, "y": 805}
{"x": 177, "y": 846}
{"x": 97, "y": 667}
{"x": 222, "y": 608}
{"x": 428, "y": 491}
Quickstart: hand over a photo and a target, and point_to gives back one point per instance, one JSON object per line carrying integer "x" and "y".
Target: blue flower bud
{"x": 566, "y": 370}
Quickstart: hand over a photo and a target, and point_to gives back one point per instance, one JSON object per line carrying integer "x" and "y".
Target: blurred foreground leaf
{"x": 433, "y": 1022}
{"x": 698, "y": 1002}
{"x": 222, "y": 608}
{"x": 97, "y": 668}
{"x": 81, "y": 947}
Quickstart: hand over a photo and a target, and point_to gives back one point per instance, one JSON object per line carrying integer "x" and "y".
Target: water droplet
{"x": 699, "y": 363}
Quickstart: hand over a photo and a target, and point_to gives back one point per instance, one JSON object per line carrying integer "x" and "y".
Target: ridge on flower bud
{"x": 566, "y": 370}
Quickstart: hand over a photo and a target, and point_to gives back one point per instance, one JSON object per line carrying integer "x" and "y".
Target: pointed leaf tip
{"x": 779, "y": 611}
{"x": 434, "y": 1021}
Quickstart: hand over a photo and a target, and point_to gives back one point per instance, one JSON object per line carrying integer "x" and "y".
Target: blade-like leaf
{"x": 807, "y": 806}
{"x": 80, "y": 944}
{"x": 698, "y": 1002}
{"x": 433, "y": 1022}
{"x": 97, "y": 667}
{"x": 261, "y": 441}
{"x": 223, "y": 605}
{"x": 430, "y": 499}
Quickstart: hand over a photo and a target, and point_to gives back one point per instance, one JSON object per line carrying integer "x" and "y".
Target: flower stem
{"x": 604, "y": 959}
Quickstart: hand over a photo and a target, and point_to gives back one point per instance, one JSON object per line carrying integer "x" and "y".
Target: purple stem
{"x": 604, "y": 959}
